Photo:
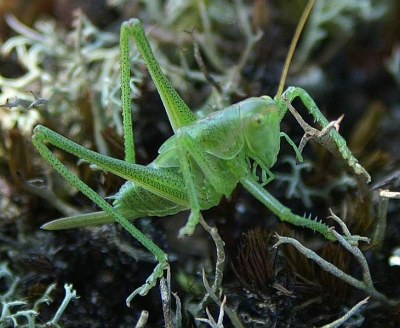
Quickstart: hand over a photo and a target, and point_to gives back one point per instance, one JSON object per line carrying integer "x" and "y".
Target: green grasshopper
{"x": 204, "y": 160}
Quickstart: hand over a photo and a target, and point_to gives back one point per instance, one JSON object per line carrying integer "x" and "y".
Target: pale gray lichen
{"x": 14, "y": 311}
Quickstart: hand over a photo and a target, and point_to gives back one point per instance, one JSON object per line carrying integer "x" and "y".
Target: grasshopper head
{"x": 261, "y": 130}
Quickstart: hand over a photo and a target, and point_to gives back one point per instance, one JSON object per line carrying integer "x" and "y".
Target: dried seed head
{"x": 255, "y": 264}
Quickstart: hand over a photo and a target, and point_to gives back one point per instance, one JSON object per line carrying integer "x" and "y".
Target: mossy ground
{"x": 344, "y": 74}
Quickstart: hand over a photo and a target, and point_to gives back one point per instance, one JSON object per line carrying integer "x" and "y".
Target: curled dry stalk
{"x": 214, "y": 292}
{"x": 350, "y": 242}
{"x": 349, "y": 313}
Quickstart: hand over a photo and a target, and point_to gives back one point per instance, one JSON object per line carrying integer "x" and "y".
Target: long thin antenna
{"x": 293, "y": 45}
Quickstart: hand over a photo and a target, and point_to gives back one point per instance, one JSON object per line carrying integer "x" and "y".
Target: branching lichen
{"x": 14, "y": 312}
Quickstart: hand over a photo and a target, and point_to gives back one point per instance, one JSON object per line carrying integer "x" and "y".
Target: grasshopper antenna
{"x": 293, "y": 45}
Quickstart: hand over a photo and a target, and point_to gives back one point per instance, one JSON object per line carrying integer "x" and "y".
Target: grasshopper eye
{"x": 258, "y": 120}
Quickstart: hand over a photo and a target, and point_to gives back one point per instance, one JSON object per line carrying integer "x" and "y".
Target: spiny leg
{"x": 195, "y": 162}
{"x": 179, "y": 113}
{"x": 194, "y": 216}
{"x": 163, "y": 182}
{"x": 188, "y": 150}
{"x": 38, "y": 141}
{"x": 125, "y": 75}
{"x": 282, "y": 211}
{"x": 290, "y": 94}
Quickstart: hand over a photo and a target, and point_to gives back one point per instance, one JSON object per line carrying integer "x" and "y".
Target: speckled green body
{"x": 219, "y": 147}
